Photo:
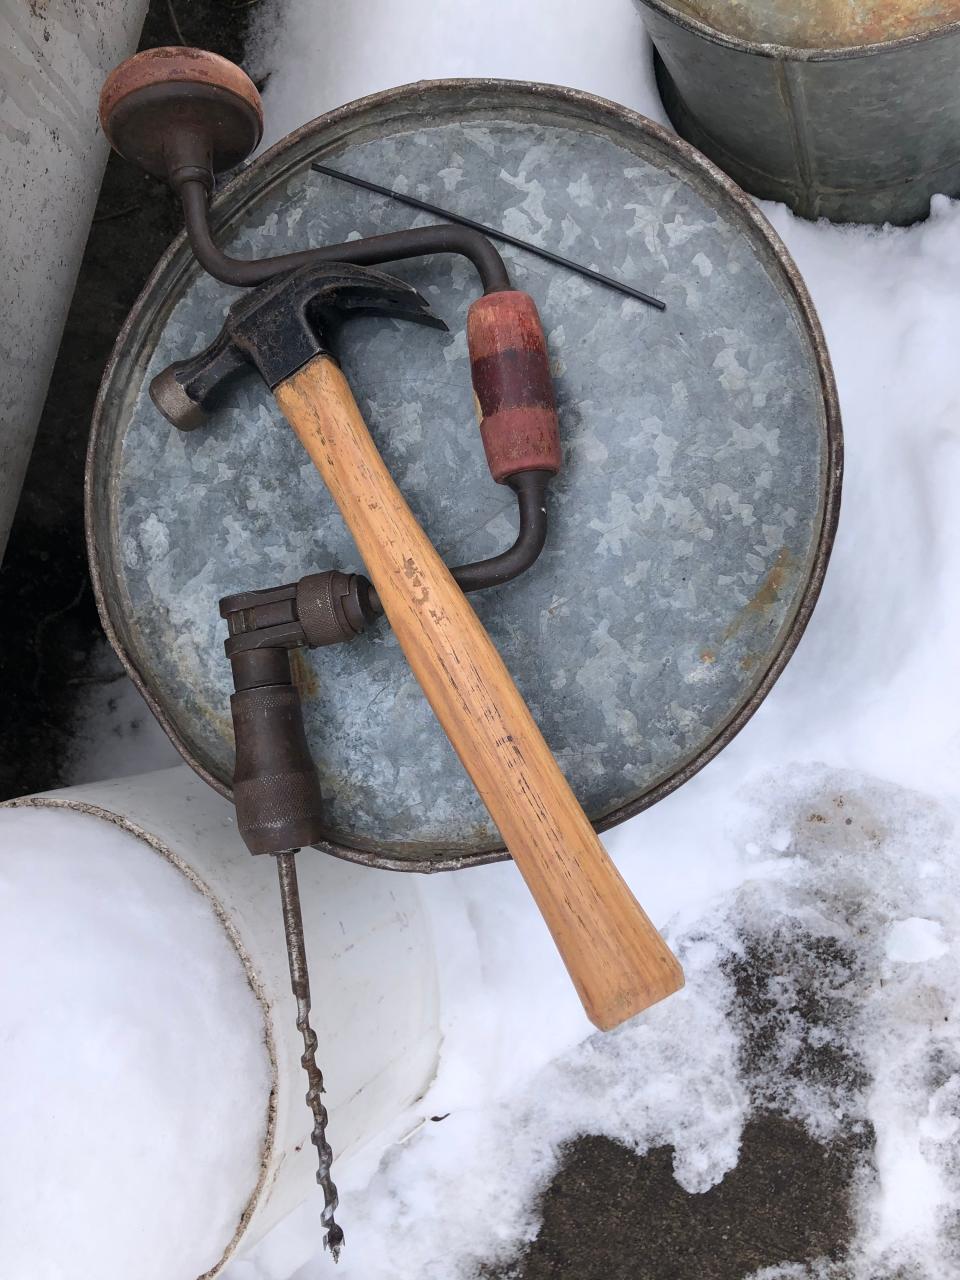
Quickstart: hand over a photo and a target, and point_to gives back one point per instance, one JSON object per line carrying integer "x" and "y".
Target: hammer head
{"x": 278, "y": 328}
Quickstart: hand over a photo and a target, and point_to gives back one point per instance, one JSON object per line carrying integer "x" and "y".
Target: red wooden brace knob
{"x": 511, "y": 380}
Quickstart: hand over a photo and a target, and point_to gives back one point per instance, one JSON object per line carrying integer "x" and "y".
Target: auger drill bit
{"x": 300, "y": 982}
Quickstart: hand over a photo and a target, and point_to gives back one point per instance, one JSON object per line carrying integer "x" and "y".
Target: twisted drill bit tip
{"x": 334, "y": 1241}
{"x": 300, "y": 982}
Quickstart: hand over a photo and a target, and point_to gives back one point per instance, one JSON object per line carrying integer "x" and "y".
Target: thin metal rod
{"x": 300, "y": 982}
{"x": 493, "y": 233}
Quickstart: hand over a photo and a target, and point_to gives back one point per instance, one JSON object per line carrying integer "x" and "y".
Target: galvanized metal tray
{"x": 690, "y": 527}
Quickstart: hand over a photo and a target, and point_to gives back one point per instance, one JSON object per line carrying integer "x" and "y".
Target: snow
{"x": 809, "y": 878}
{"x": 128, "y": 1148}
{"x": 114, "y": 734}
{"x": 329, "y": 53}
{"x": 914, "y": 940}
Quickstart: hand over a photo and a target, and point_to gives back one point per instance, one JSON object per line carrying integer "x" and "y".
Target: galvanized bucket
{"x": 843, "y": 109}
{"x": 690, "y": 526}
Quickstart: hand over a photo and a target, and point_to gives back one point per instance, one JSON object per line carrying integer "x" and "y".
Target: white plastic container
{"x": 54, "y": 55}
{"x": 372, "y": 966}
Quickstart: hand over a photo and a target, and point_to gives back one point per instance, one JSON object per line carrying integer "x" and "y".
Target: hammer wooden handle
{"x": 617, "y": 960}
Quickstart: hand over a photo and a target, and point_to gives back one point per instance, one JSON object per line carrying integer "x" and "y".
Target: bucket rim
{"x": 793, "y": 53}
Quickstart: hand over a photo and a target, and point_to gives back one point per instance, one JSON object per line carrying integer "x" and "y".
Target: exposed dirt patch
{"x": 609, "y": 1215}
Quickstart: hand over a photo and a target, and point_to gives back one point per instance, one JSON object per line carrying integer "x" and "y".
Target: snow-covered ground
{"x": 115, "y": 734}
{"x": 819, "y": 853}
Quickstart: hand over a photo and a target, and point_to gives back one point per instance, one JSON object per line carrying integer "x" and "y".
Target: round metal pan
{"x": 690, "y": 526}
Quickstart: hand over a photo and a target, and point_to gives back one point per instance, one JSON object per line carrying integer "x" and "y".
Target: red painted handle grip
{"x": 511, "y": 379}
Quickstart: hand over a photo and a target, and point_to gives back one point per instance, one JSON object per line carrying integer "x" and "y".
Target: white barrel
{"x": 373, "y": 979}
{"x": 54, "y": 56}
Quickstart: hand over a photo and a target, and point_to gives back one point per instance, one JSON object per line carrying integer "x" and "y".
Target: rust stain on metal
{"x": 304, "y": 676}
{"x": 773, "y": 583}
{"x": 767, "y": 595}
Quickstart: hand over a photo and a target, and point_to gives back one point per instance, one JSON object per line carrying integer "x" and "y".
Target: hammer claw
{"x": 406, "y": 305}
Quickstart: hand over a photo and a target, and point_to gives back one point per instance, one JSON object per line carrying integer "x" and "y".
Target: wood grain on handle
{"x": 616, "y": 958}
